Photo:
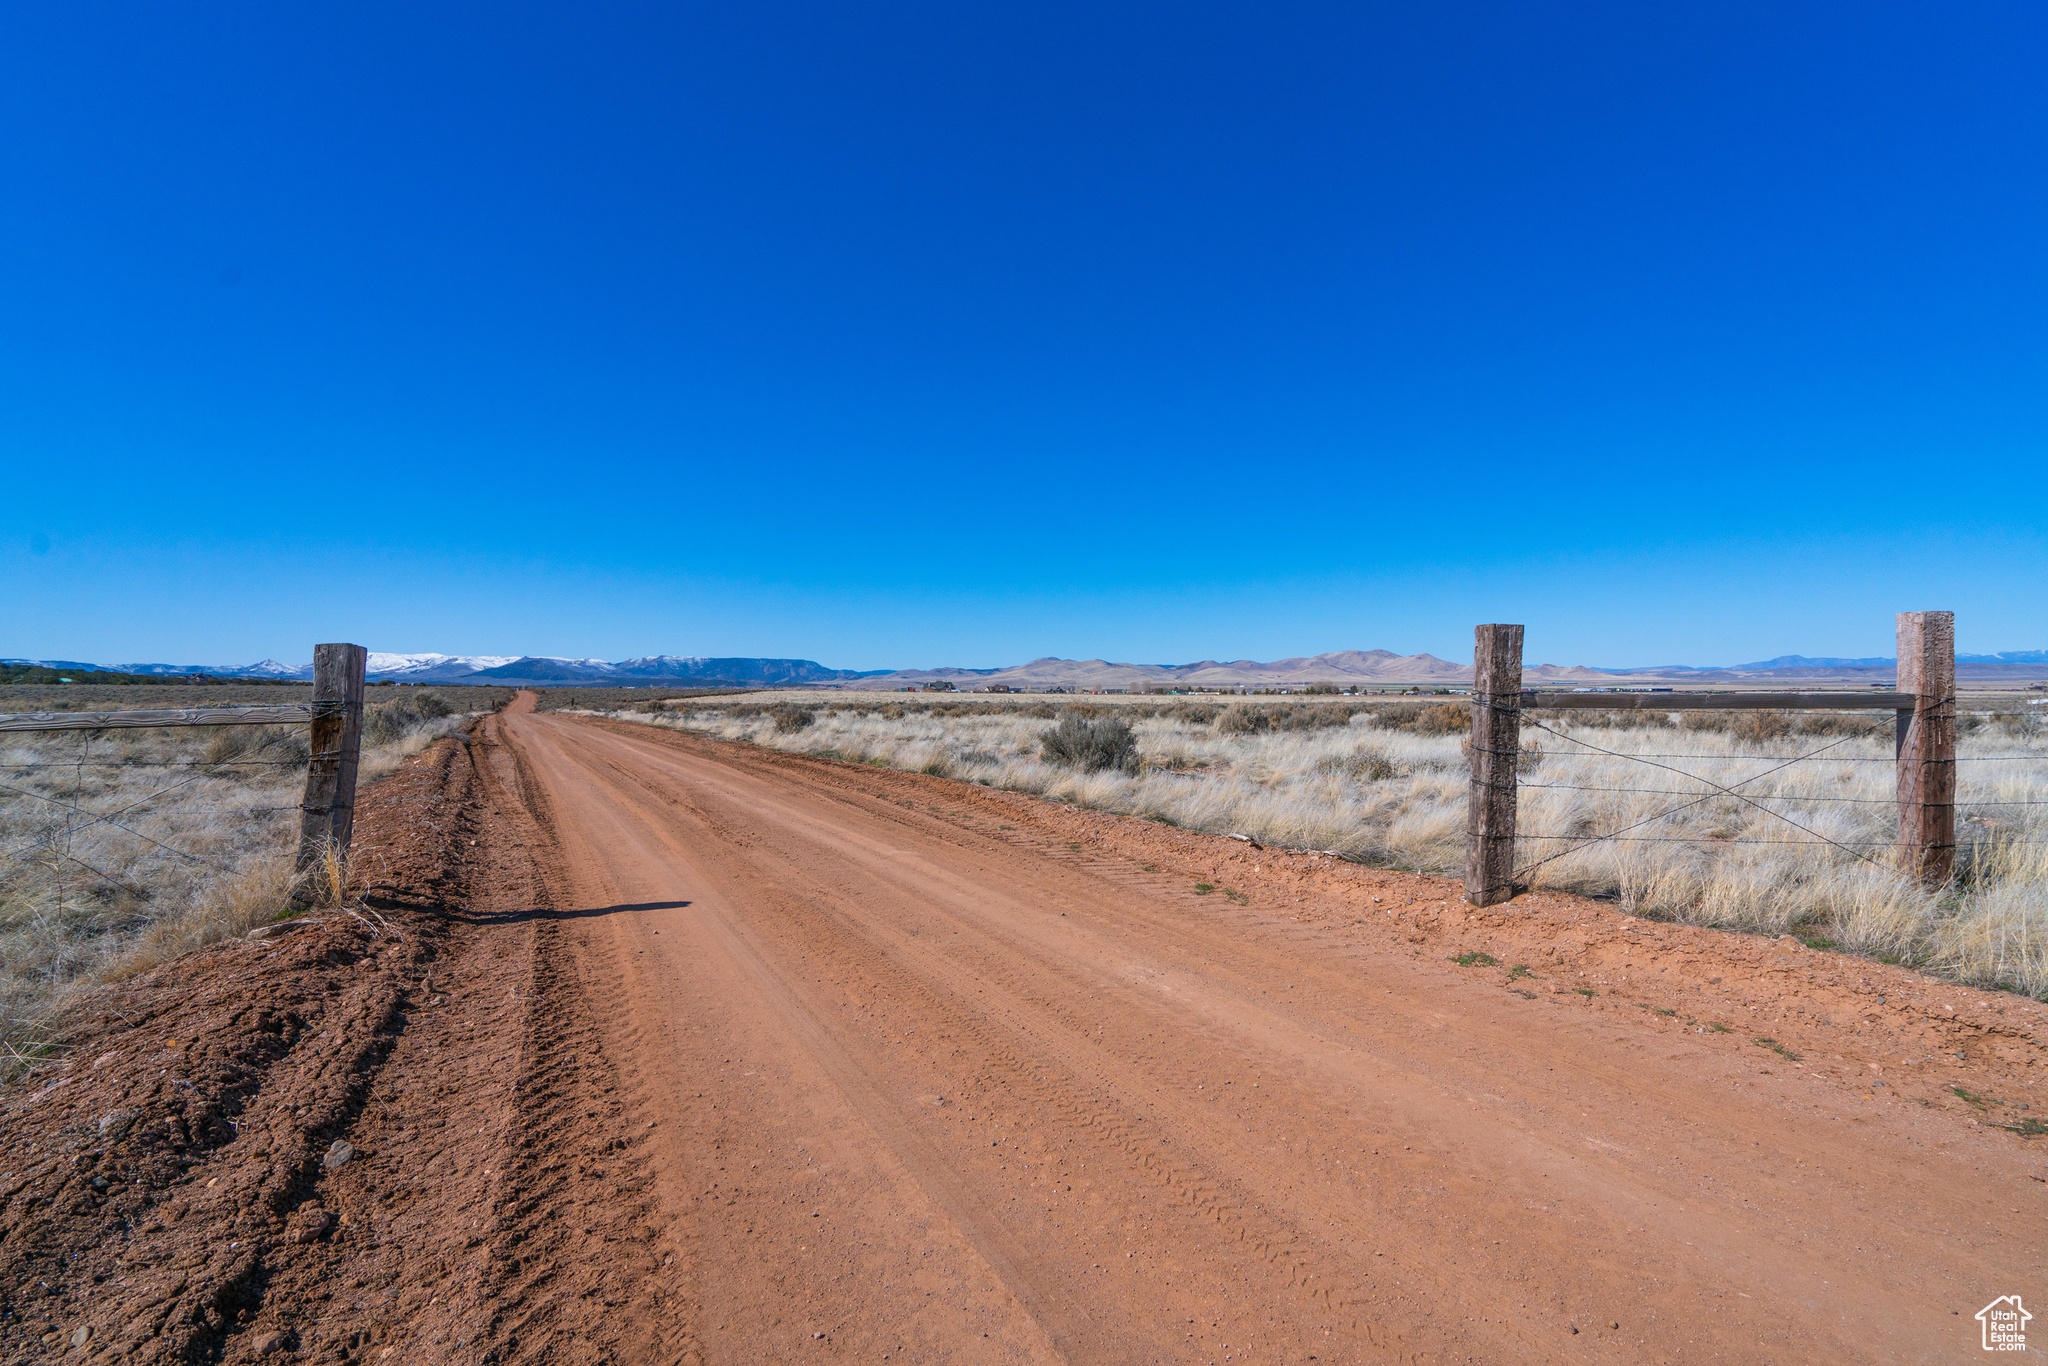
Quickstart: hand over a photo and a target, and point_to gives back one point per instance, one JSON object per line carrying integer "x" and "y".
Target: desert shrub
{"x": 1309, "y": 716}
{"x": 386, "y": 723}
{"x": 790, "y": 718}
{"x": 1616, "y": 719}
{"x": 1241, "y": 718}
{"x": 1090, "y": 744}
{"x": 1194, "y": 713}
{"x": 1447, "y": 719}
{"x": 1365, "y": 764}
{"x": 1761, "y": 725}
{"x": 389, "y": 721}
{"x": 1842, "y": 723}
{"x": 1444, "y": 718}
{"x": 2023, "y": 725}
{"x": 226, "y": 743}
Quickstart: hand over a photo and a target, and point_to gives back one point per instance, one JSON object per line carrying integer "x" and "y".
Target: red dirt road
{"x": 920, "y": 1072}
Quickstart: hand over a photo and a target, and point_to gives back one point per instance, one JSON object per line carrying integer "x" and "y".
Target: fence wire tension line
{"x": 335, "y": 714}
{"x": 1924, "y": 705}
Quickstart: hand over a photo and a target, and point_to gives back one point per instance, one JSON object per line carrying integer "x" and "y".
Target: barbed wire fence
{"x": 1713, "y": 789}
{"x": 56, "y": 843}
{"x": 1924, "y": 845}
{"x": 194, "y": 813}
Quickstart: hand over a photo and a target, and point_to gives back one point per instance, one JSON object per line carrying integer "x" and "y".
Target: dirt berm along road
{"x": 740, "y": 1056}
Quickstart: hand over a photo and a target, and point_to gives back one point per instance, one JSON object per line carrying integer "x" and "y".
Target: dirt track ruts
{"x": 917, "y": 1086}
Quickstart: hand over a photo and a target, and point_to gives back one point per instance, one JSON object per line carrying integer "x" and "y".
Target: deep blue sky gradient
{"x": 914, "y": 334}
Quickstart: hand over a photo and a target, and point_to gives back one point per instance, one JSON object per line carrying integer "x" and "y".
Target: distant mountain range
{"x": 512, "y": 670}
{"x": 1343, "y": 666}
{"x": 1831, "y": 662}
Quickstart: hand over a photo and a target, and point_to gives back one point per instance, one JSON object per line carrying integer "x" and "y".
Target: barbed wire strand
{"x": 1775, "y": 797}
{"x": 1710, "y": 839}
{"x": 172, "y": 763}
{"x": 28, "y": 850}
{"x": 1834, "y": 759}
{"x": 53, "y": 801}
{"x": 1703, "y": 798}
{"x": 121, "y": 811}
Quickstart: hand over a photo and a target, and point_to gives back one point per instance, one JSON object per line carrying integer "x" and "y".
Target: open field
{"x": 1808, "y": 851}
{"x": 653, "y": 1047}
{"x": 120, "y": 849}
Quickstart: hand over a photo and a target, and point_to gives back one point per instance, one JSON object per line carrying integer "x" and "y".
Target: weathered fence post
{"x": 1496, "y": 741}
{"x": 1927, "y": 746}
{"x": 329, "y": 811}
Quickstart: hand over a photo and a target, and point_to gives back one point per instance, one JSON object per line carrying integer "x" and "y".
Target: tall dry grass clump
{"x": 1387, "y": 786}
{"x": 1090, "y": 744}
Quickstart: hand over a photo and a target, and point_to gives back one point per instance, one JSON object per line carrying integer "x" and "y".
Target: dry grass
{"x": 1396, "y": 796}
{"x": 122, "y": 849}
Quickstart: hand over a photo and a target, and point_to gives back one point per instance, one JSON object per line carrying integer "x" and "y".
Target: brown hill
{"x": 1342, "y": 666}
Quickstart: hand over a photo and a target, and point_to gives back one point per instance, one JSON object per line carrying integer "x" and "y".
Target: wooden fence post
{"x": 1927, "y": 746}
{"x": 329, "y": 811}
{"x": 1496, "y": 742}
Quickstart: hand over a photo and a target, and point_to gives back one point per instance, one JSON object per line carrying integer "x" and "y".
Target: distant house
{"x": 998, "y": 687}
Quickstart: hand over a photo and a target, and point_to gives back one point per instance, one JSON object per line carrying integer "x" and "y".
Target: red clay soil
{"x": 650, "y": 1048}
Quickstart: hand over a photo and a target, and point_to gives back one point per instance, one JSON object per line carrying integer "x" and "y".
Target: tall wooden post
{"x": 1927, "y": 746}
{"x": 1496, "y": 741}
{"x": 329, "y": 812}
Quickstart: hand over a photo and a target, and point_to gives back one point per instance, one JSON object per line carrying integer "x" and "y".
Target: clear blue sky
{"x": 913, "y": 334}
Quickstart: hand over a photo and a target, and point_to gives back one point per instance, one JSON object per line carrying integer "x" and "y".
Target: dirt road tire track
{"x": 921, "y": 1074}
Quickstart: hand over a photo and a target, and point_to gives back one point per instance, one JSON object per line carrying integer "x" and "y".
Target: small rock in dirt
{"x": 308, "y": 1223}
{"x": 82, "y": 1336}
{"x": 265, "y": 1343}
{"x": 282, "y": 927}
{"x": 338, "y": 1155}
{"x": 114, "y": 1123}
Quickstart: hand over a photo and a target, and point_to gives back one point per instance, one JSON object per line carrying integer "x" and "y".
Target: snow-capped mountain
{"x": 662, "y": 669}
{"x": 419, "y": 668}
